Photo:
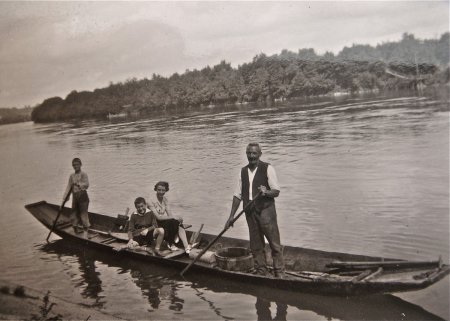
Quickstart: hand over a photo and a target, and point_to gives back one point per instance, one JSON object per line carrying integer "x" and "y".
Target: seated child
{"x": 143, "y": 227}
{"x": 173, "y": 230}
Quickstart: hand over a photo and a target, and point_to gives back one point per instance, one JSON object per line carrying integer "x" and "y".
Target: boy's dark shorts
{"x": 144, "y": 240}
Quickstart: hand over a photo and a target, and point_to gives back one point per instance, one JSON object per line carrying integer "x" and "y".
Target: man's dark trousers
{"x": 264, "y": 223}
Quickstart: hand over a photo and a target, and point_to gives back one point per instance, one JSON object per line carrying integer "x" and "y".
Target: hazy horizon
{"x": 51, "y": 48}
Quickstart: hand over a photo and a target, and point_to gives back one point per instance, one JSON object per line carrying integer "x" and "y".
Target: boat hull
{"x": 308, "y": 268}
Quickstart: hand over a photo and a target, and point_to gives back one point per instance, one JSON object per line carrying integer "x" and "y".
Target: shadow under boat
{"x": 150, "y": 278}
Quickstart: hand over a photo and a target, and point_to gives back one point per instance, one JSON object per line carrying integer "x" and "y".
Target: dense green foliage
{"x": 14, "y": 115}
{"x": 266, "y": 78}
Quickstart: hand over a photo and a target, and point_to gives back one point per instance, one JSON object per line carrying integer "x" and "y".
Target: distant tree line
{"x": 14, "y": 115}
{"x": 265, "y": 78}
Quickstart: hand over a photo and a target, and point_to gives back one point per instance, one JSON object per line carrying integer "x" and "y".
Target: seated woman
{"x": 171, "y": 225}
{"x": 143, "y": 227}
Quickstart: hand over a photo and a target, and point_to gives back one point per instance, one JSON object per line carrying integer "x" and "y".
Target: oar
{"x": 218, "y": 236}
{"x": 59, "y": 213}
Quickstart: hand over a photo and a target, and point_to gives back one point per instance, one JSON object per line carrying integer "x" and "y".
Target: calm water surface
{"x": 360, "y": 175}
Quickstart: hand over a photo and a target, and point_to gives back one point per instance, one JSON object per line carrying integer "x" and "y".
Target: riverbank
{"x": 23, "y": 303}
{"x": 15, "y": 115}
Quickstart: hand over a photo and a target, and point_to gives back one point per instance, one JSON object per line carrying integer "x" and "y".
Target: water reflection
{"x": 263, "y": 310}
{"x": 161, "y": 287}
{"x": 158, "y": 289}
{"x": 201, "y": 295}
{"x": 91, "y": 278}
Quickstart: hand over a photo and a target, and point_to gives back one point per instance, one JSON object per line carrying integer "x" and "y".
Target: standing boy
{"x": 78, "y": 183}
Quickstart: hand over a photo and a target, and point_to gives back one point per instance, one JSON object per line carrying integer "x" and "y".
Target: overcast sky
{"x": 50, "y": 48}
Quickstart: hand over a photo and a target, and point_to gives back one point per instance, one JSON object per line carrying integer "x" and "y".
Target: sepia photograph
{"x": 225, "y": 160}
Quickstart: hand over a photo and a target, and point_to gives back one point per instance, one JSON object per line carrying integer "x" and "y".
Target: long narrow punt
{"x": 307, "y": 270}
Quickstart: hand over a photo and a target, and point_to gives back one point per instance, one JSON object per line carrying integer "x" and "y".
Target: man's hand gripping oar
{"x": 229, "y": 223}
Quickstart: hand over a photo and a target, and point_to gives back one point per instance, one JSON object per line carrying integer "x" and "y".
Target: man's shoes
{"x": 173, "y": 248}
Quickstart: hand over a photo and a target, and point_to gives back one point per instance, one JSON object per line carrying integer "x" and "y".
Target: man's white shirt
{"x": 272, "y": 178}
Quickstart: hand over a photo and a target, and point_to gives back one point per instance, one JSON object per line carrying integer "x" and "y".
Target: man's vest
{"x": 260, "y": 178}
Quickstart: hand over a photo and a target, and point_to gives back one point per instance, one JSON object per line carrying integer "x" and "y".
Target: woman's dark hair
{"x": 162, "y": 183}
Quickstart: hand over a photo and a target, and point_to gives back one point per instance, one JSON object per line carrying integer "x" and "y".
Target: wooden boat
{"x": 307, "y": 270}
{"x": 149, "y": 277}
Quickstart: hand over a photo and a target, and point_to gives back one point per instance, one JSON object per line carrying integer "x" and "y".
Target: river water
{"x": 364, "y": 175}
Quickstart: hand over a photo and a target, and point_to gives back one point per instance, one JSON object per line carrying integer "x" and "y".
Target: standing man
{"x": 261, "y": 216}
{"x": 80, "y": 200}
